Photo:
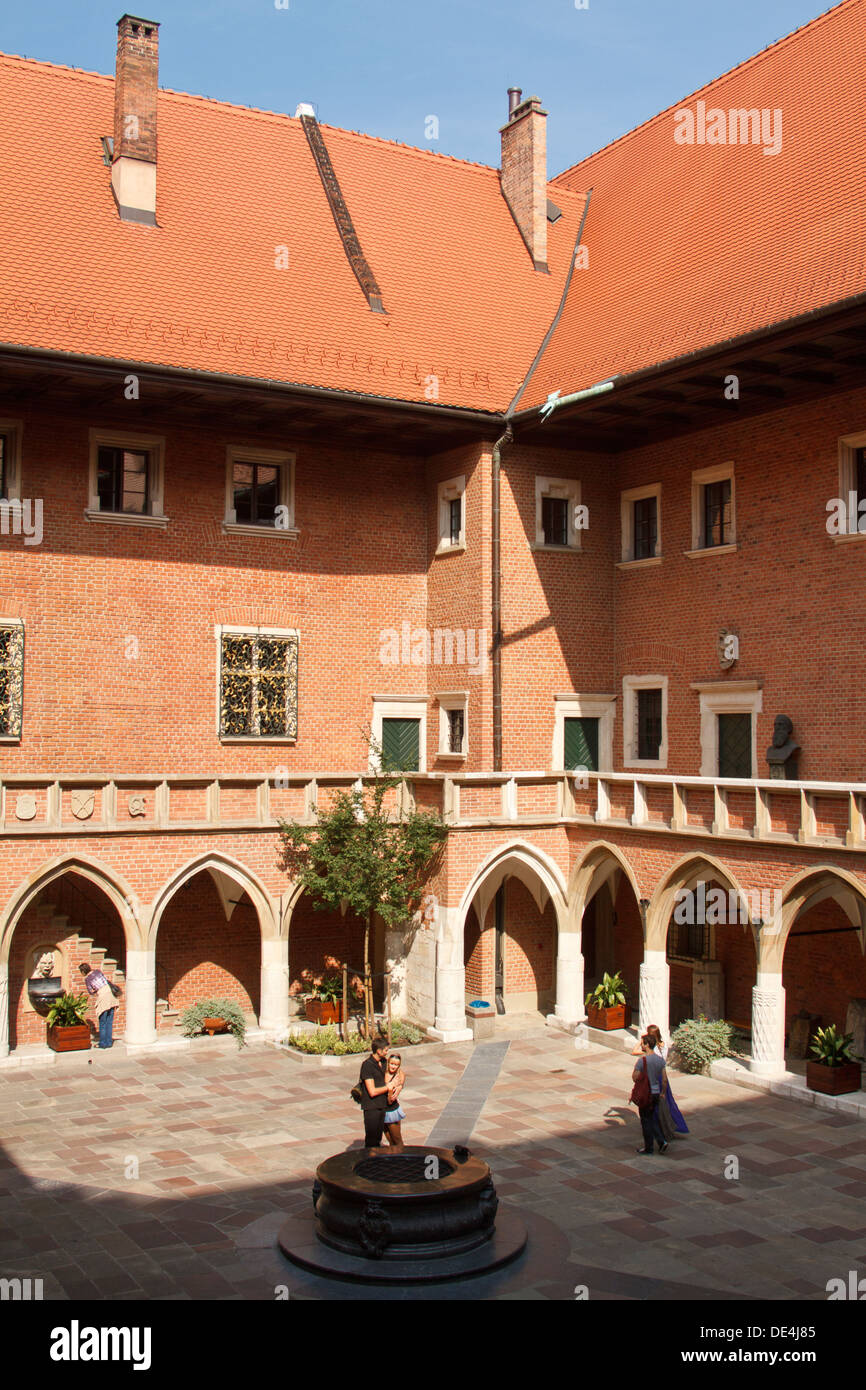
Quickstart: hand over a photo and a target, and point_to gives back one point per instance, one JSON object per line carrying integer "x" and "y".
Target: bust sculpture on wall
{"x": 782, "y": 752}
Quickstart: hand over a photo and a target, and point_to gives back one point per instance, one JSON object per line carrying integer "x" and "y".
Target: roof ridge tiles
{"x": 690, "y": 96}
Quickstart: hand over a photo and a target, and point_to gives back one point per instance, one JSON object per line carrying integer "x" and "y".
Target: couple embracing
{"x": 380, "y": 1084}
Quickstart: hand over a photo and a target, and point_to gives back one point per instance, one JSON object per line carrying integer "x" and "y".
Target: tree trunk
{"x": 368, "y": 989}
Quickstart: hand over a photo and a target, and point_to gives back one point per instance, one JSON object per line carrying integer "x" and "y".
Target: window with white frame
{"x": 260, "y": 492}
{"x": 10, "y": 459}
{"x": 399, "y": 729}
{"x": 714, "y": 521}
{"x": 640, "y": 515}
{"x": 645, "y": 721}
{"x": 11, "y": 679}
{"x": 729, "y": 728}
{"x": 557, "y": 507}
{"x": 258, "y": 684}
{"x": 852, "y": 484}
{"x": 452, "y": 515}
{"x": 453, "y": 727}
{"x": 583, "y": 732}
{"x": 126, "y": 478}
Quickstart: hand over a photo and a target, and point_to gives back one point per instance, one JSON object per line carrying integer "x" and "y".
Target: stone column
{"x": 768, "y": 1026}
{"x": 140, "y": 998}
{"x": 4, "y": 1009}
{"x": 395, "y": 952}
{"x": 569, "y": 1009}
{"x": 654, "y": 992}
{"x": 450, "y": 1025}
{"x": 274, "y": 1010}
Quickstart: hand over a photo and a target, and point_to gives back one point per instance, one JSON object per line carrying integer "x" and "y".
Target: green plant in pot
{"x": 835, "y": 1070}
{"x": 326, "y": 1003}
{"x": 214, "y": 1016}
{"x": 607, "y": 1005}
{"x": 68, "y": 1028}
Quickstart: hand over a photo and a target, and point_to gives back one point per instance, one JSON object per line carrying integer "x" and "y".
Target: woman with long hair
{"x": 670, "y": 1117}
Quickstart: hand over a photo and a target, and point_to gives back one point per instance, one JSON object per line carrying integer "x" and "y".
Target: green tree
{"x": 365, "y": 855}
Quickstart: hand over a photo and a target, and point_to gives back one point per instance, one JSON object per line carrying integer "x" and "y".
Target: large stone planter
{"x": 833, "y": 1081}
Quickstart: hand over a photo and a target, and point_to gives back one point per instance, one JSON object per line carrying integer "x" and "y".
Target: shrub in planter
{"x": 700, "y": 1041}
{"x": 325, "y": 1005}
{"x": 327, "y": 1042}
{"x": 68, "y": 1029}
{"x": 606, "y": 1005}
{"x": 835, "y": 1070}
{"x": 193, "y": 1019}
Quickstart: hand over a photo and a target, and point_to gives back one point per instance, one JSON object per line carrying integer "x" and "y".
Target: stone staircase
{"x": 80, "y": 949}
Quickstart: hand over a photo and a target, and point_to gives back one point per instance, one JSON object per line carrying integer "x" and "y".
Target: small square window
{"x": 255, "y": 489}
{"x": 649, "y": 724}
{"x": 717, "y": 513}
{"x": 452, "y": 515}
{"x": 122, "y": 480}
{"x": 645, "y": 527}
{"x": 640, "y": 516}
{"x": 554, "y": 520}
{"x": 456, "y": 724}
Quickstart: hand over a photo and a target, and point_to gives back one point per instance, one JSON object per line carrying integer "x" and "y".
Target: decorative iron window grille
{"x": 649, "y": 724}
{"x": 455, "y": 516}
{"x": 717, "y": 513}
{"x": 258, "y": 686}
{"x": 455, "y": 730}
{"x": 122, "y": 480}
{"x": 11, "y": 680}
{"x": 554, "y": 520}
{"x": 645, "y": 527}
{"x": 256, "y": 489}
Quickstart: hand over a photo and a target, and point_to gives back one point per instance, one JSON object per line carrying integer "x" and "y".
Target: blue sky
{"x": 384, "y": 66}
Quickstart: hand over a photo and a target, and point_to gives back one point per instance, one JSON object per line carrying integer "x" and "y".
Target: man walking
{"x": 374, "y": 1093}
{"x": 96, "y": 984}
{"x": 658, "y": 1080}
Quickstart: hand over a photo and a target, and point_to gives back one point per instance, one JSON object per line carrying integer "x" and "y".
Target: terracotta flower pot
{"x": 214, "y": 1025}
{"x": 608, "y": 1018}
{"x": 833, "y": 1081}
{"x": 74, "y": 1038}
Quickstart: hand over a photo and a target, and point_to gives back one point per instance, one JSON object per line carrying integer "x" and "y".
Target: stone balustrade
{"x": 822, "y": 814}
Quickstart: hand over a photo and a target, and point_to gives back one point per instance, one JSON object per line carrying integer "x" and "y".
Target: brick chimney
{"x": 133, "y": 168}
{"x": 524, "y": 171}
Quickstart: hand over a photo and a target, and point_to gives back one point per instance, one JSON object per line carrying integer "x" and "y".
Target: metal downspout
{"x": 496, "y": 598}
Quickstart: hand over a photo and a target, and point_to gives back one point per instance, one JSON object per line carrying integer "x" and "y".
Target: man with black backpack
{"x": 374, "y": 1092}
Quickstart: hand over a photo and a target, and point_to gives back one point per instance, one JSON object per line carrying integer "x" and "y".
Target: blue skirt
{"x": 393, "y": 1117}
{"x": 676, "y": 1116}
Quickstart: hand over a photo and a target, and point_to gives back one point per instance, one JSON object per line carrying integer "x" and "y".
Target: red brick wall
{"x": 319, "y": 943}
{"x": 822, "y": 973}
{"x": 201, "y": 955}
{"x": 628, "y": 940}
{"x": 530, "y": 943}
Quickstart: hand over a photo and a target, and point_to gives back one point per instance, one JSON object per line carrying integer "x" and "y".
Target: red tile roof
{"x": 689, "y": 246}
{"x": 692, "y": 245}
{"x": 201, "y": 290}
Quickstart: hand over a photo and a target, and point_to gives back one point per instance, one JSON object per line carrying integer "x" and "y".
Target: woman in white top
{"x": 670, "y": 1117}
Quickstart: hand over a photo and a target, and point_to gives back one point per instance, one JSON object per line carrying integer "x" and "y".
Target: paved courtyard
{"x": 168, "y": 1176}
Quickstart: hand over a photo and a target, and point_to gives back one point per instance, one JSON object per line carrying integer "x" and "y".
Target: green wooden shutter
{"x": 581, "y": 744}
{"x": 735, "y": 745}
{"x": 401, "y": 743}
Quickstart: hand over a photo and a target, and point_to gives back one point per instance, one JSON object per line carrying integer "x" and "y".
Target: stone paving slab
{"x": 109, "y": 1193}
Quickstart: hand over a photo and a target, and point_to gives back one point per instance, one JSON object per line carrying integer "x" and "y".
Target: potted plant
{"x": 606, "y": 1006}
{"x": 68, "y": 1029}
{"x": 326, "y": 1002}
{"x": 835, "y": 1070}
{"x": 214, "y": 1016}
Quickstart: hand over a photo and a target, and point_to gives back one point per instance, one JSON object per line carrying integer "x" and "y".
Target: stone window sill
{"x": 557, "y": 549}
{"x": 639, "y": 564}
{"x": 450, "y": 549}
{"x": 127, "y": 518}
{"x": 711, "y": 550}
{"x": 238, "y": 528}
